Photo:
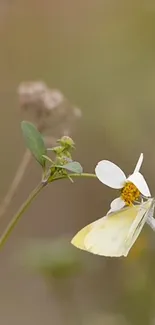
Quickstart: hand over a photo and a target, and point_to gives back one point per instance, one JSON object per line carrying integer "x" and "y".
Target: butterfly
{"x": 115, "y": 234}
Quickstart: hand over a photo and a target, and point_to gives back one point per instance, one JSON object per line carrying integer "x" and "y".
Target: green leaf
{"x": 73, "y": 167}
{"x": 34, "y": 141}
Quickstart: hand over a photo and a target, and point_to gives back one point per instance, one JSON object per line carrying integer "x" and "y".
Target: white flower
{"x": 131, "y": 187}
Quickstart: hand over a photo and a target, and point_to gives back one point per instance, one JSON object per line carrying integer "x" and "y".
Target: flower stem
{"x": 29, "y": 200}
{"x": 19, "y": 214}
{"x": 87, "y": 175}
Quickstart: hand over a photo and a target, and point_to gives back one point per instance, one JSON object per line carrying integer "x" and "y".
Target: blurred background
{"x": 101, "y": 56}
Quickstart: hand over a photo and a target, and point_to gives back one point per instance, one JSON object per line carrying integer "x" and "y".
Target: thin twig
{"x": 72, "y": 175}
{"x": 15, "y": 183}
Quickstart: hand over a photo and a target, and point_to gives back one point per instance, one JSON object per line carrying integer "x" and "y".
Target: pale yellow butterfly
{"x": 114, "y": 234}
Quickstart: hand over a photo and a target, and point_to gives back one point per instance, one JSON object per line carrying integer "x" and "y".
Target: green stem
{"x": 88, "y": 175}
{"x": 27, "y": 203}
{"x": 19, "y": 214}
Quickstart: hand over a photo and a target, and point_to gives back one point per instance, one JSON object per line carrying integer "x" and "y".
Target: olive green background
{"x": 101, "y": 55}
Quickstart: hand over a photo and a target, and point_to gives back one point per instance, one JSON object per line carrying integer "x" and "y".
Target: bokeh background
{"x": 101, "y": 55}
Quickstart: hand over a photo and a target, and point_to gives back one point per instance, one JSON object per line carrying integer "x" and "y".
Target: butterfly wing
{"x": 112, "y": 235}
{"x": 145, "y": 210}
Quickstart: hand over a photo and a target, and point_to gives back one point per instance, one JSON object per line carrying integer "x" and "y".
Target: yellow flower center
{"x": 130, "y": 193}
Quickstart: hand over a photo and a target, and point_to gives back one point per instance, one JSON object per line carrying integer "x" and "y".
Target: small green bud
{"x": 67, "y": 155}
{"x": 63, "y": 160}
{"x": 62, "y": 152}
{"x": 58, "y": 150}
{"x": 66, "y": 142}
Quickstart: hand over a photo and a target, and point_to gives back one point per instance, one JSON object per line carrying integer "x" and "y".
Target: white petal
{"x": 110, "y": 174}
{"x": 139, "y": 163}
{"x": 138, "y": 180}
{"x": 116, "y": 204}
